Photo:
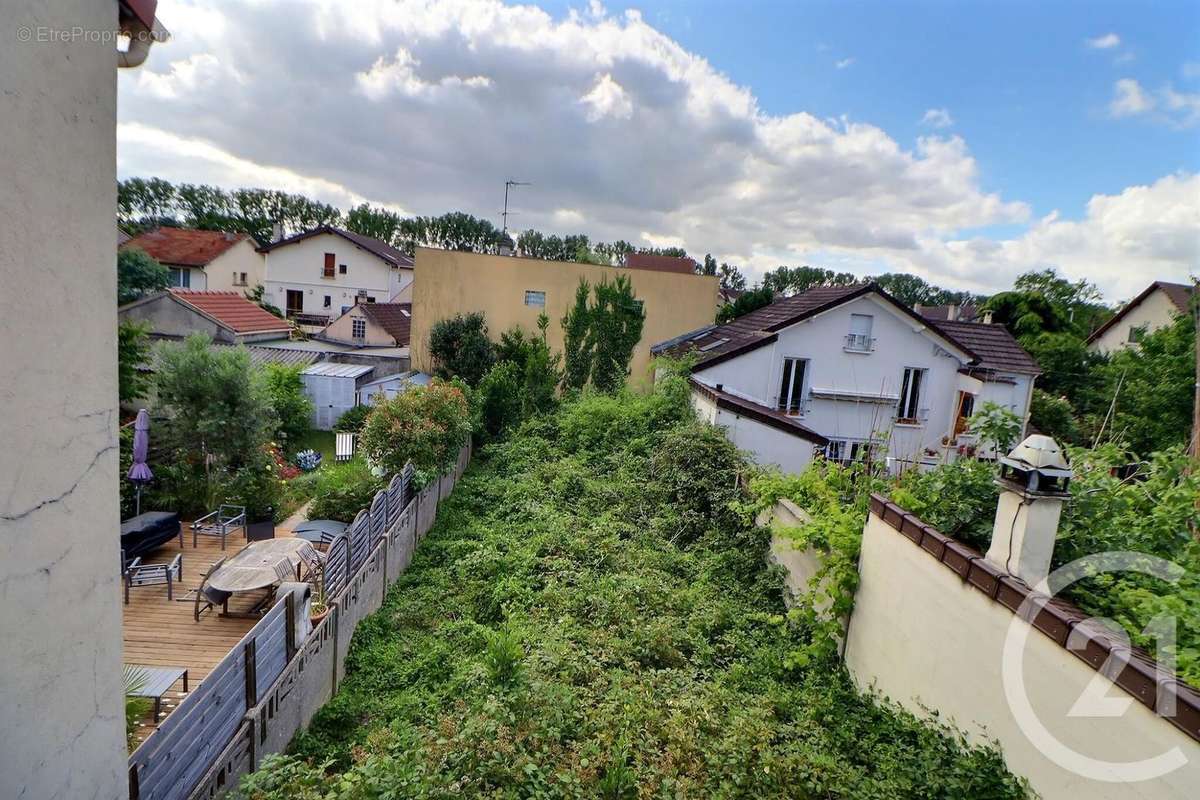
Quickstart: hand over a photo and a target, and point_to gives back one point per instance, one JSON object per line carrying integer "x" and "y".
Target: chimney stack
{"x": 276, "y": 231}
{"x": 1033, "y": 483}
{"x": 987, "y": 317}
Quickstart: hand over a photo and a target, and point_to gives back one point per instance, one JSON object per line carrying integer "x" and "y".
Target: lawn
{"x": 321, "y": 441}
{"x": 590, "y": 617}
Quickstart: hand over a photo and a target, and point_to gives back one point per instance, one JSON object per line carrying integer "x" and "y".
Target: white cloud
{"x": 1105, "y": 42}
{"x": 428, "y": 105}
{"x": 1180, "y": 109}
{"x": 1129, "y": 99}
{"x": 937, "y": 118}
{"x": 845, "y": 62}
{"x": 607, "y": 98}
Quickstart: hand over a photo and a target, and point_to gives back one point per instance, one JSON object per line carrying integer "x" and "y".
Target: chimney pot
{"x": 276, "y": 231}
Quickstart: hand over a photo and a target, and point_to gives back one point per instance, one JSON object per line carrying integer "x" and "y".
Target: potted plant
{"x": 318, "y": 607}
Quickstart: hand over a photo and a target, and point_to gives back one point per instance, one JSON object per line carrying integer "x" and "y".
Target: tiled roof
{"x": 683, "y": 266}
{"x": 382, "y": 249}
{"x": 962, "y": 313}
{"x": 758, "y": 412}
{"x": 232, "y": 310}
{"x": 184, "y": 247}
{"x": 1180, "y": 295}
{"x": 395, "y": 318}
{"x": 994, "y": 345}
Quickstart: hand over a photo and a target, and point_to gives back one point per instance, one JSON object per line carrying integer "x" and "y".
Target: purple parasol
{"x": 139, "y": 471}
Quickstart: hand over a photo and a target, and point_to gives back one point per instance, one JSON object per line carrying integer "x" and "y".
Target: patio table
{"x": 262, "y": 564}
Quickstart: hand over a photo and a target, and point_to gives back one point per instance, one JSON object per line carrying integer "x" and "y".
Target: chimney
{"x": 276, "y": 231}
{"x": 952, "y": 312}
{"x": 360, "y": 297}
{"x": 505, "y": 245}
{"x": 1033, "y": 486}
{"x": 987, "y": 316}
{"x": 918, "y": 308}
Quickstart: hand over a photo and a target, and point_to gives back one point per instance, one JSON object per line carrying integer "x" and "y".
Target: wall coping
{"x": 1133, "y": 669}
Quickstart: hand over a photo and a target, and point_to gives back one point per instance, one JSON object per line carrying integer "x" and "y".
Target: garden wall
{"x": 928, "y": 631}
{"x": 269, "y": 687}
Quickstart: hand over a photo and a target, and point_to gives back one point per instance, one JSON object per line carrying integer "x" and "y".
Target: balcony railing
{"x": 859, "y": 343}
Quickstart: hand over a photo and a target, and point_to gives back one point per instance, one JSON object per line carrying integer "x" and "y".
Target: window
{"x": 342, "y": 269}
{"x": 239, "y": 279}
{"x": 330, "y": 260}
{"x": 370, "y": 299}
{"x": 791, "y": 385}
{"x": 966, "y": 407}
{"x": 1136, "y": 333}
{"x": 533, "y": 298}
{"x": 910, "y": 395}
{"x": 359, "y": 328}
{"x": 859, "y": 339}
{"x": 328, "y": 301}
{"x": 848, "y": 451}
{"x": 295, "y": 301}
{"x": 180, "y": 278}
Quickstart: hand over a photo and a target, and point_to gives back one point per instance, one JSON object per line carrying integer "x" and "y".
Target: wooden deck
{"x": 161, "y": 632}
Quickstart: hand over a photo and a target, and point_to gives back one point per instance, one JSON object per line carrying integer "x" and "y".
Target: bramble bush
{"x": 342, "y": 490}
{"x": 589, "y": 618}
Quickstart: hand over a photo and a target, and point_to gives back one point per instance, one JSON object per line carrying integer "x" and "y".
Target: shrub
{"x": 499, "y": 400}
{"x": 461, "y": 349}
{"x": 426, "y": 425}
{"x": 285, "y": 392}
{"x": 343, "y": 490}
{"x": 308, "y": 460}
{"x": 352, "y": 421}
{"x": 256, "y": 485}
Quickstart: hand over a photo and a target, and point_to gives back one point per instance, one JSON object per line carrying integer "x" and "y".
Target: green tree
{"x": 995, "y": 425}
{"x": 293, "y": 409}
{"x": 499, "y": 400}
{"x": 461, "y": 348}
{"x": 745, "y": 303}
{"x": 912, "y": 289}
{"x": 577, "y": 350}
{"x": 133, "y": 351}
{"x": 138, "y": 275}
{"x": 426, "y": 425}
{"x": 1079, "y": 300}
{"x": 787, "y": 281}
{"x": 1054, "y": 416}
{"x": 616, "y": 321}
{"x": 731, "y": 277}
{"x": 541, "y": 372}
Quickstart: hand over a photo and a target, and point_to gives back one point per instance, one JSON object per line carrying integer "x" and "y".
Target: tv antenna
{"x": 508, "y": 185}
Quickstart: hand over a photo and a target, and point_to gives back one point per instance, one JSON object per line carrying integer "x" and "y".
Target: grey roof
{"x": 382, "y": 249}
{"x": 333, "y": 370}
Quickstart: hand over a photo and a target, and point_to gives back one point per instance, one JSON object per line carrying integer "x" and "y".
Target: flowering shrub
{"x": 308, "y": 460}
{"x": 426, "y": 425}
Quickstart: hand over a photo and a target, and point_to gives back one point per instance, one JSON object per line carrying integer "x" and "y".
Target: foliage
{"x": 258, "y": 296}
{"x": 342, "y": 490}
{"x": 745, "y": 303}
{"x": 1153, "y": 387}
{"x": 352, "y": 420}
{"x": 550, "y": 640}
{"x": 133, "y": 351}
{"x": 1080, "y": 299}
{"x": 1068, "y": 368}
{"x": 293, "y": 408}
{"x": 461, "y": 349}
{"x": 958, "y": 499}
{"x": 536, "y": 367}
{"x": 426, "y": 425}
{"x": 257, "y": 484}
{"x": 786, "y": 281}
{"x": 615, "y": 321}
{"x": 577, "y": 354}
{"x": 996, "y": 425}
{"x": 499, "y": 400}
{"x": 138, "y": 275}
{"x": 912, "y": 289}
{"x": 308, "y": 460}
{"x": 1053, "y": 416}
{"x": 135, "y": 679}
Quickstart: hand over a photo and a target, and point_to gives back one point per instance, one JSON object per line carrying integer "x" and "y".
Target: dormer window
{"x": 859, "y": 339}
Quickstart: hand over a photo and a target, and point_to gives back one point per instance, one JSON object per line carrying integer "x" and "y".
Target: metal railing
{"x": 860, "y": 342}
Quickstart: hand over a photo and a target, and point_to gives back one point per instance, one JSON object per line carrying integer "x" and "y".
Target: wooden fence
{"x": 270, "y": 685}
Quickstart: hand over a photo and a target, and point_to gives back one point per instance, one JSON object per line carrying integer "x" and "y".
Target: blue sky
{"x": 964, "y": 142}
{"x": 1018, "y": 78}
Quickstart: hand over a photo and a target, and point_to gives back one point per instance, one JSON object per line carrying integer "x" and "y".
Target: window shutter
{"x": 330, "y": 264}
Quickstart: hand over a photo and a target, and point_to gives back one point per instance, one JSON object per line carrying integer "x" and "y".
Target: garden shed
{"x": 333, "y": 389}
{"x": 392, "y": 385}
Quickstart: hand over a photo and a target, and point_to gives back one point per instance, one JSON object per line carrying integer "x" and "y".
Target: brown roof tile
{"x": 683, "y": 266}
{"x": 995, "y": 347}
{"x": 382, "y": 249}
{"x": 395, "y": 318}
{"x": 759, "y": 413}
{"x": 232, "y": 310}
{"x": 184, "y": 247}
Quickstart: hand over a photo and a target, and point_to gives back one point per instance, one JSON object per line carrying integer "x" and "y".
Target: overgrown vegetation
{"x": 340, "y": 491}
{"x": 599, "y": 336}
{"x": 590, "y": 618}
{"x": 425, "y": 425}
{"x": 461, "y": 348}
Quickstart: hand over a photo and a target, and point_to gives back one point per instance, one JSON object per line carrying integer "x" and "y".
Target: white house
{"x": 319, "y": 273}
{"x": 1156, "y": 307}
{"x": 203, "y": 261}
{"x": 849, "y": 371}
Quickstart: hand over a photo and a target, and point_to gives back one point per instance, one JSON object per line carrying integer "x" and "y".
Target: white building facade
{"x": 849, "y": 373}
{"x": 323, "y": 272}
{"x": 1156, "y": 307}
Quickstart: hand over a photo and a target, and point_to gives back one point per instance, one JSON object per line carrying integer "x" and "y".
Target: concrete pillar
{"x": 62, "y": 726}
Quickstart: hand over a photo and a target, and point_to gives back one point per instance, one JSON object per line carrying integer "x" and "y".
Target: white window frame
{"x": 357, "y": 324}
{"x": 795, "y": 395}
{"x": 911, "y": 395}
{"x": 534, "y": 294}
{"x": 858, "y": 342}
{"x": 180, "y": 277}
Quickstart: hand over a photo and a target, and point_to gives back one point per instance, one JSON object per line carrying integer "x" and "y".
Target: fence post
{"x": 332, "y": 618}
{"x": 134, "y": 791}
{"x": 251, "y": 674}
{"x": 290, "y": 613}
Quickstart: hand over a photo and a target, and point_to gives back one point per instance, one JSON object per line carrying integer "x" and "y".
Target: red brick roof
{"x": 683, "y": 266}
{"x": 395, "y": 318}
{"x": 184, "y": 247}
{"x": 232, "y": 310}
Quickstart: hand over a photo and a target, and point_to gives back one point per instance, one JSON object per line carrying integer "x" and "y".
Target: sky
{"x": 962, "y": 142}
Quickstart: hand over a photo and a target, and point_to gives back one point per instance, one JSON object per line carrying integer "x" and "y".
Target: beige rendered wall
{"x": 61, "y": 710}
{"x": 923, "y": 638}
{"x": 242, "y": 257}
{"x": 1156, "y": 311}
{"x": 449, "y": 283}
{"x": 342, "y": 330}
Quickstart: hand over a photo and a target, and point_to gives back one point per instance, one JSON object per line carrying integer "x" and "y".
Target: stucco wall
{"x": 242, "y": 257}
{"x": 300, "y": 266}
{"x": 922, "y": 637}
{"x": 168, "y": 317}
{"x": 1156, "y": 311}
{"x": 61, "y": 718}
{"x": 342, "y": 330}
{"x": 449, "y": 283}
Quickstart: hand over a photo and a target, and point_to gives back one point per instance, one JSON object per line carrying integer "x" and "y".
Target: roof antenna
{"x": 507, "y": 185}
